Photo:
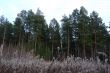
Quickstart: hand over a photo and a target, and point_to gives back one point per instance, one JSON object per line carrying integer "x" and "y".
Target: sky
{"x": 54, "y": 8}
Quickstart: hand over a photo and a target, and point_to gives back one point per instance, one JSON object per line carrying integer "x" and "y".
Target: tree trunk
{"x": 2, "y": 46}
{"x": 68, "y": 43}
{"x": 4, "y": 36}
{"x": 84, "y": 47}
{"x": 52, "y": 49}
{"x": 94, "y": 49}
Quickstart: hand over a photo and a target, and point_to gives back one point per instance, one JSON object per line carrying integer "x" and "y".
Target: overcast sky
{"x": 54, "y": 8}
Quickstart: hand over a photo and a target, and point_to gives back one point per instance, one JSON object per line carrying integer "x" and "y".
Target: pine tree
{"x": 54, "y": 34}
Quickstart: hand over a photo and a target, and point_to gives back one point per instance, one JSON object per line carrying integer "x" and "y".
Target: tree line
{"x": 79, "y": 34}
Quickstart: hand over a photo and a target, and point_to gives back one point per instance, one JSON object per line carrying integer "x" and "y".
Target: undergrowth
{"x": 32, "y": 64}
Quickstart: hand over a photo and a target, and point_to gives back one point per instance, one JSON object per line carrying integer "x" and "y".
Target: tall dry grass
{"x": 38, "y": 65}
{"x": 16, "y": 62}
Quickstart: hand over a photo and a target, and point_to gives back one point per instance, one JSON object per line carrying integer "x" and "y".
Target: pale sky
{"x": 54, "y": 8}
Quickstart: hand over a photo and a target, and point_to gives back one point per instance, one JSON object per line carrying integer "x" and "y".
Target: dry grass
{"x": 22, "y": 62}
{"x": 38, "y": 65}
